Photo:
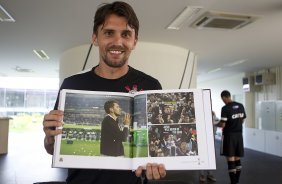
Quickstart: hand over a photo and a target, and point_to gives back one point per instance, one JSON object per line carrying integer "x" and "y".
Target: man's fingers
{"x": 138, "y": 171}
{"x": 51, "y": 124}
{"x": 155, "y": 171}
{"x": 127, "y": 119}
{"x": 49, "y": 132}
{"x": 52, "y": 120}
{"x": 162, "y": 170}
{"x": 53, "y": 117}
{"x": 127, "y": 116}
{"x": 56, "y": 112}
{"x": 149, "y": 172}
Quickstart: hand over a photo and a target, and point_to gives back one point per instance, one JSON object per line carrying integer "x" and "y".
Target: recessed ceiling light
{"x": 186, "y": 14}
{"x": 5, "y": 16}
{"x": 214, "y": 70}
{"x": 236, "y": 63}
{"x": 41, "y": 54}
{"x": 23, "y": 70}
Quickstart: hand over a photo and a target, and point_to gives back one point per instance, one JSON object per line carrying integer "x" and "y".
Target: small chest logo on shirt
{"x": 132, "y": 90}
{"x": 235, "y": 107}
{"x": 238, "y": 115}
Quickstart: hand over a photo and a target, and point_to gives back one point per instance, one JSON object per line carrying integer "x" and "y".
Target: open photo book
{"x": 109, "y": 130}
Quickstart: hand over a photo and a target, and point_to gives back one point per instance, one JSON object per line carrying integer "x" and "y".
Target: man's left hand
{"x": 153, "y": 171}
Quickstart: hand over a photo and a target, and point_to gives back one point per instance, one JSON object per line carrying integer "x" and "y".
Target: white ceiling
{"x": 57, "y": 25}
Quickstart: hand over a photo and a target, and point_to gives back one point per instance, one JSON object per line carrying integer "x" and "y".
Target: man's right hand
{"x": 127, "y": 119}
{"x": 51, "y": 121}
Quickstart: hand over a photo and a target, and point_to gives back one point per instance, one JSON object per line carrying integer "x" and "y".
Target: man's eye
{"x": 126, "y": 35}
{"x": 108, "y": 33}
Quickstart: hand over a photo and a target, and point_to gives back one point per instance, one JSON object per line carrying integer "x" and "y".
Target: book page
{"x": 179, "y": 130}
{"x": 91, "y": 138}
{"x": 173, "y": 127}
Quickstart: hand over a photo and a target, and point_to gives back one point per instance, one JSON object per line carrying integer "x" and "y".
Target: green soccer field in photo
{"x": 80, "y": 147}
{"x": 92, "y": 148}
{"x": 138, "y": 147}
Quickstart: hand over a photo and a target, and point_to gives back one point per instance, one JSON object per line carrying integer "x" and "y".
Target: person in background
{"x": 232, "y": 119}
{"x": 115, "y": 33}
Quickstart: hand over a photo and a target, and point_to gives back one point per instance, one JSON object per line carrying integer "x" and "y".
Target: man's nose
{"x": 117, "y": 40}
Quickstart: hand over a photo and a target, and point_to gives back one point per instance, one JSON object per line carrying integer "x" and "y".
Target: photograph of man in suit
{"x": 112, "y": 134}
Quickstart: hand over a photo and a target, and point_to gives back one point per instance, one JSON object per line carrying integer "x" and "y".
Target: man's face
{"x": 116, "y": 109}
{"x": 166, "y": 110}
{"x": 224, "y": 99}
{"x": 115, "y": 40}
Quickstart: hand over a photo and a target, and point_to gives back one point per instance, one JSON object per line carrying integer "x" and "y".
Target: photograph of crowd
{"x": 171, "y": 108}
{"x": 172, "y": 140}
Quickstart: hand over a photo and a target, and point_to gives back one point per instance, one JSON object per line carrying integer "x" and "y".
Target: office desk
{"x": 4, "y": 134}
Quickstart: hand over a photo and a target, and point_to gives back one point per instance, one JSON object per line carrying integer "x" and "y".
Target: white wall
{"x": 164, "y": 62}
{"x": 271, "y": 92}
{"x": 72, "y": 60}
{"x": 232, "y": 84}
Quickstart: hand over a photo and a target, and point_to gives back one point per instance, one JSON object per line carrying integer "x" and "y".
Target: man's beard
{"x": 114, "y": 64}
{"x": 117, "y": 114}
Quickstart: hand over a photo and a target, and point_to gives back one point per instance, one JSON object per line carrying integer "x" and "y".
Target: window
{"x": 51, "y": 97}
{"x": 2, "y": 97}
{"x": 15, "y": 98}
{"x": 35, "y": 98}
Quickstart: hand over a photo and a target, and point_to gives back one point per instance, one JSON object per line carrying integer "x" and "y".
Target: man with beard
{"x": 115, "y": 33}
{"x": 112, "y": 135}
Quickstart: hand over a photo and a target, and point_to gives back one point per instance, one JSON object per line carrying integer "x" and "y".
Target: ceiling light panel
{"x": 214, "y": 70}
{"x": 186, "y": 14}
{"x": 23, "y": 70}
{"x": 41, "y": 54}
{"x": 236, "y": 63}
{"x": 5, "y": 16}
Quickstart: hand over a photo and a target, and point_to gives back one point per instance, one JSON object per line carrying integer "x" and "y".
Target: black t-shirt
{"x": 134, "y": 80}
{"x": 233, "y": 114}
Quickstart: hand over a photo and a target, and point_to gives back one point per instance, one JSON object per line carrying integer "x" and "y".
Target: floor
{"x": 27, "y": 163}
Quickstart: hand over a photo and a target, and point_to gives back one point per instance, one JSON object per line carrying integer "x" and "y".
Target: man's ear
{"x": 135, "y": 43}
{"x": 94, "y": 39}
{"x": 111, "y": 109}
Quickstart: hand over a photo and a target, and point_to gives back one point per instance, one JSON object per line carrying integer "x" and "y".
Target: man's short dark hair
{"x": 118, "y": 8}
{"x": 109, "y": 104}
{"x": 225, "y": 93}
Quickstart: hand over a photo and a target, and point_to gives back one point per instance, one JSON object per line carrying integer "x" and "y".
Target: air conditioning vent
{"x": 222, "y": 20}
{"x": 265, "y": 79}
